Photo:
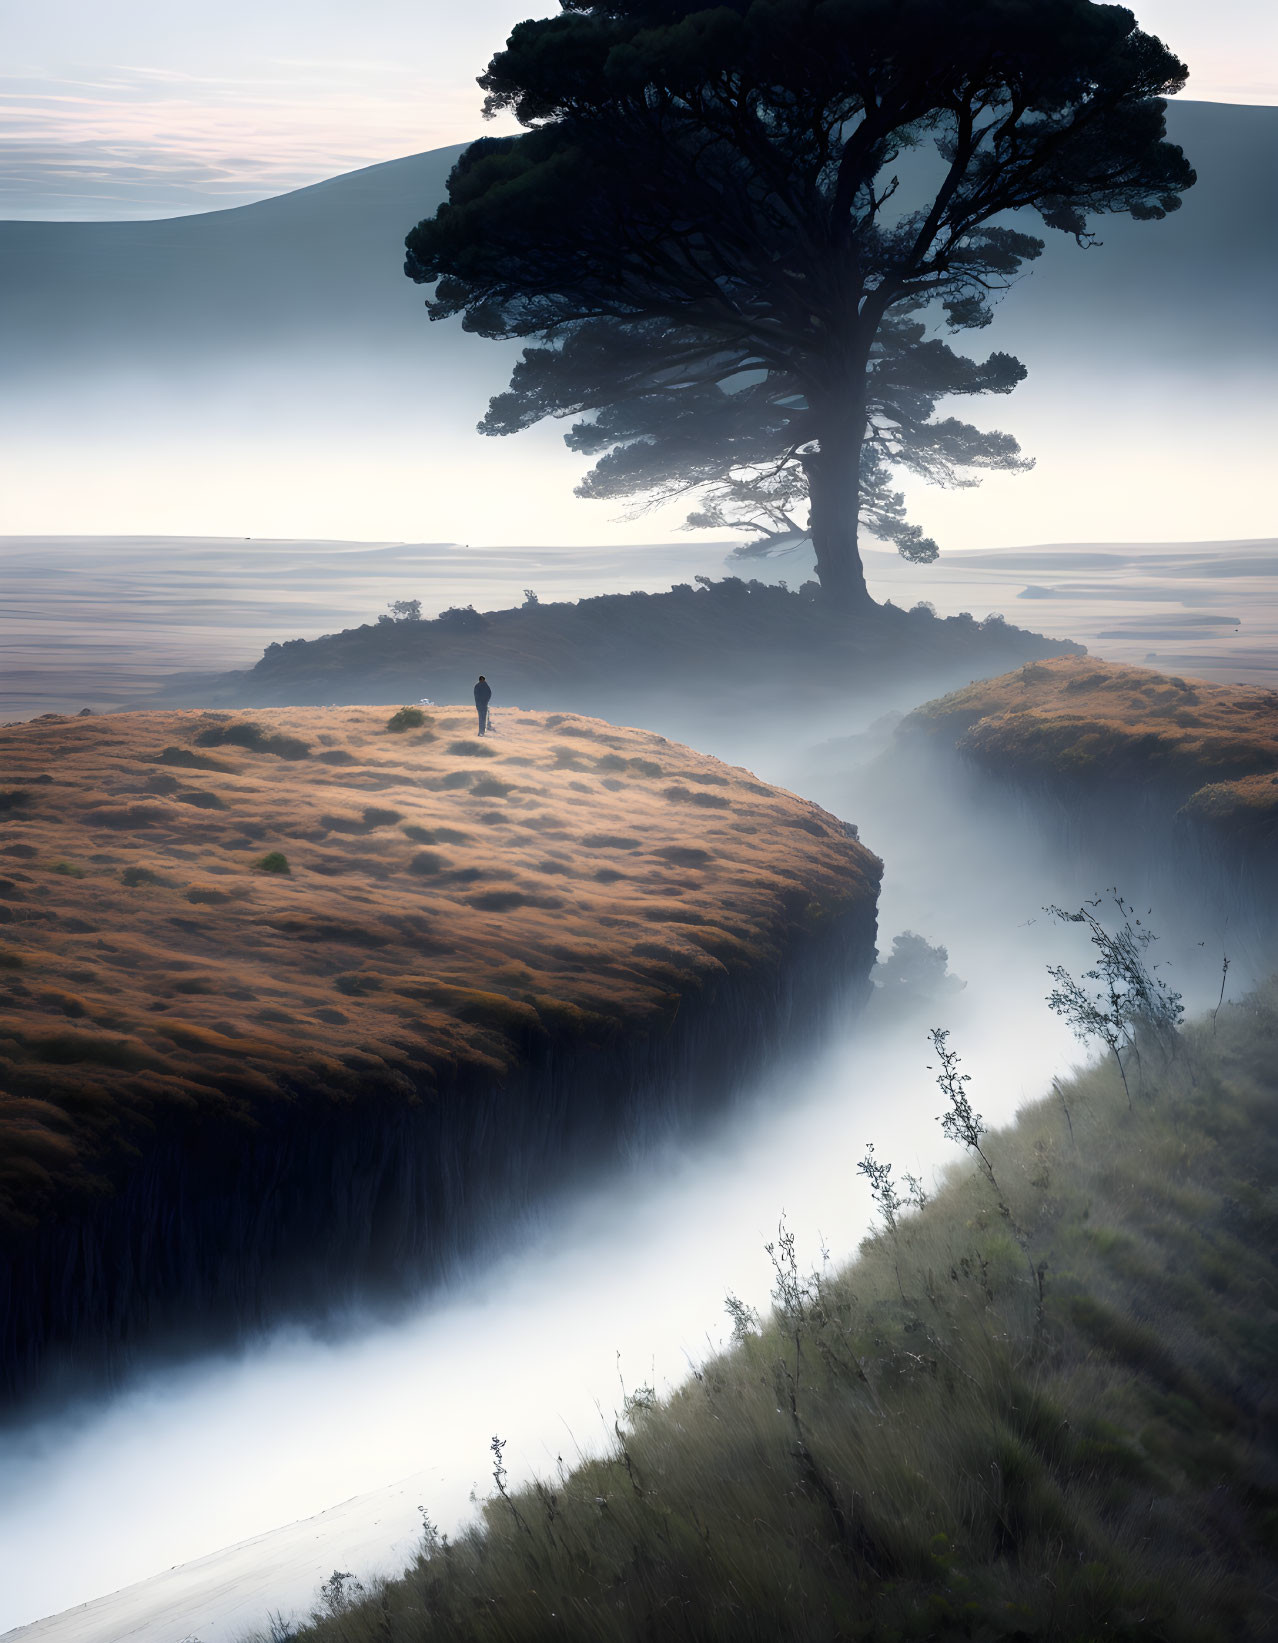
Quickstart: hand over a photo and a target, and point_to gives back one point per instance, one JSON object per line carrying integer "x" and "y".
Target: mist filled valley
{"x": 621, "y": 1269}
{"x": 523, "y": 1334}
{"x": 660, "y": 1026}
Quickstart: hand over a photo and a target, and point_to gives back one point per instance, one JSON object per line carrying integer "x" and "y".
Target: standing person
{"x": 483, "y": 695}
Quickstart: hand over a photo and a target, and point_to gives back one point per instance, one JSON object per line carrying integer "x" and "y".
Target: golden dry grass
{"x": 442, "y": 904}
{"x": 1214, "y": 747}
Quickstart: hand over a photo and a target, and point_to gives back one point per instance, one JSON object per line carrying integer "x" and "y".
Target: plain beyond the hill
{"x": 97, "y": 621}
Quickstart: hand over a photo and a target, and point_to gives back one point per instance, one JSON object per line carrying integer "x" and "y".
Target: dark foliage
{"x": 623, "y": 653}
{"x": 407, "y": 718}
{"x": 705, "y": 226}
{"x": 246, "y": 734}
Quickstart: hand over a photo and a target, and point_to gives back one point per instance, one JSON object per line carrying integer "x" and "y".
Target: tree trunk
{"x": 834, "y": 492}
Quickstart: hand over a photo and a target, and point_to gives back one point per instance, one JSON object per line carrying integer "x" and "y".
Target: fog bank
{"x": 269, "y": 370}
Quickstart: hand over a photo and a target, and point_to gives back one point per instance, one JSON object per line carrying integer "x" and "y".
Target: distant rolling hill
{"x": 321, "y": 268}
{"x": 292, "y": 318}
{"x": 1196, "y": 288}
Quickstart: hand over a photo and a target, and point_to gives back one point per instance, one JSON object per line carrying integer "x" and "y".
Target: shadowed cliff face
{"x": 265, "y": 1041}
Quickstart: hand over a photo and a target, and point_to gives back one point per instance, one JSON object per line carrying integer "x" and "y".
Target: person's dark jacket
{"x": 483, "y": 694}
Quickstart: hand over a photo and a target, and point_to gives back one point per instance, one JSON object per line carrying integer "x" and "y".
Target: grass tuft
{"x": 186, "y": 760}
{"x": 133, "y": 876}
{"x": 706, "y": 801}
{"x": 251, "y": 736}
{"x": 406, "y": 718}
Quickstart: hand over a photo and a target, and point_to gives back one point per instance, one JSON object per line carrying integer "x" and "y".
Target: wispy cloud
{"x": 136, "y": 139}
{"x": 143, "y": 141}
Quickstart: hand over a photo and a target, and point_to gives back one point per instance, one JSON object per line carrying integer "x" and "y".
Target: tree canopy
{"x": 733, "y": 230}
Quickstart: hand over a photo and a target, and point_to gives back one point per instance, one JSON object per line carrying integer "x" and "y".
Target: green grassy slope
{"x": 1052, "y": 1419}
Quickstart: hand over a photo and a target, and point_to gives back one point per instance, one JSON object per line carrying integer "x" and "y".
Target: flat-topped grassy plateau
{"x": 1207, "y": 751}
{"x": 310, "y": 983}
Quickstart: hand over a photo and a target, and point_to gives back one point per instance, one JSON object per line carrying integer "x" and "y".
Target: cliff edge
{"x": 1205, "y": 756}
{"x": 300, "y": 1001}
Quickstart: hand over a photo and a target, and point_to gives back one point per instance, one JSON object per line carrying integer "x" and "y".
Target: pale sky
{"x": 151, "y": 108}
{"x": 155, "y": 108}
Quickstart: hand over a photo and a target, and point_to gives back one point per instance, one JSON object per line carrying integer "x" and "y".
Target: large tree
{"x": 706, "y": 211}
